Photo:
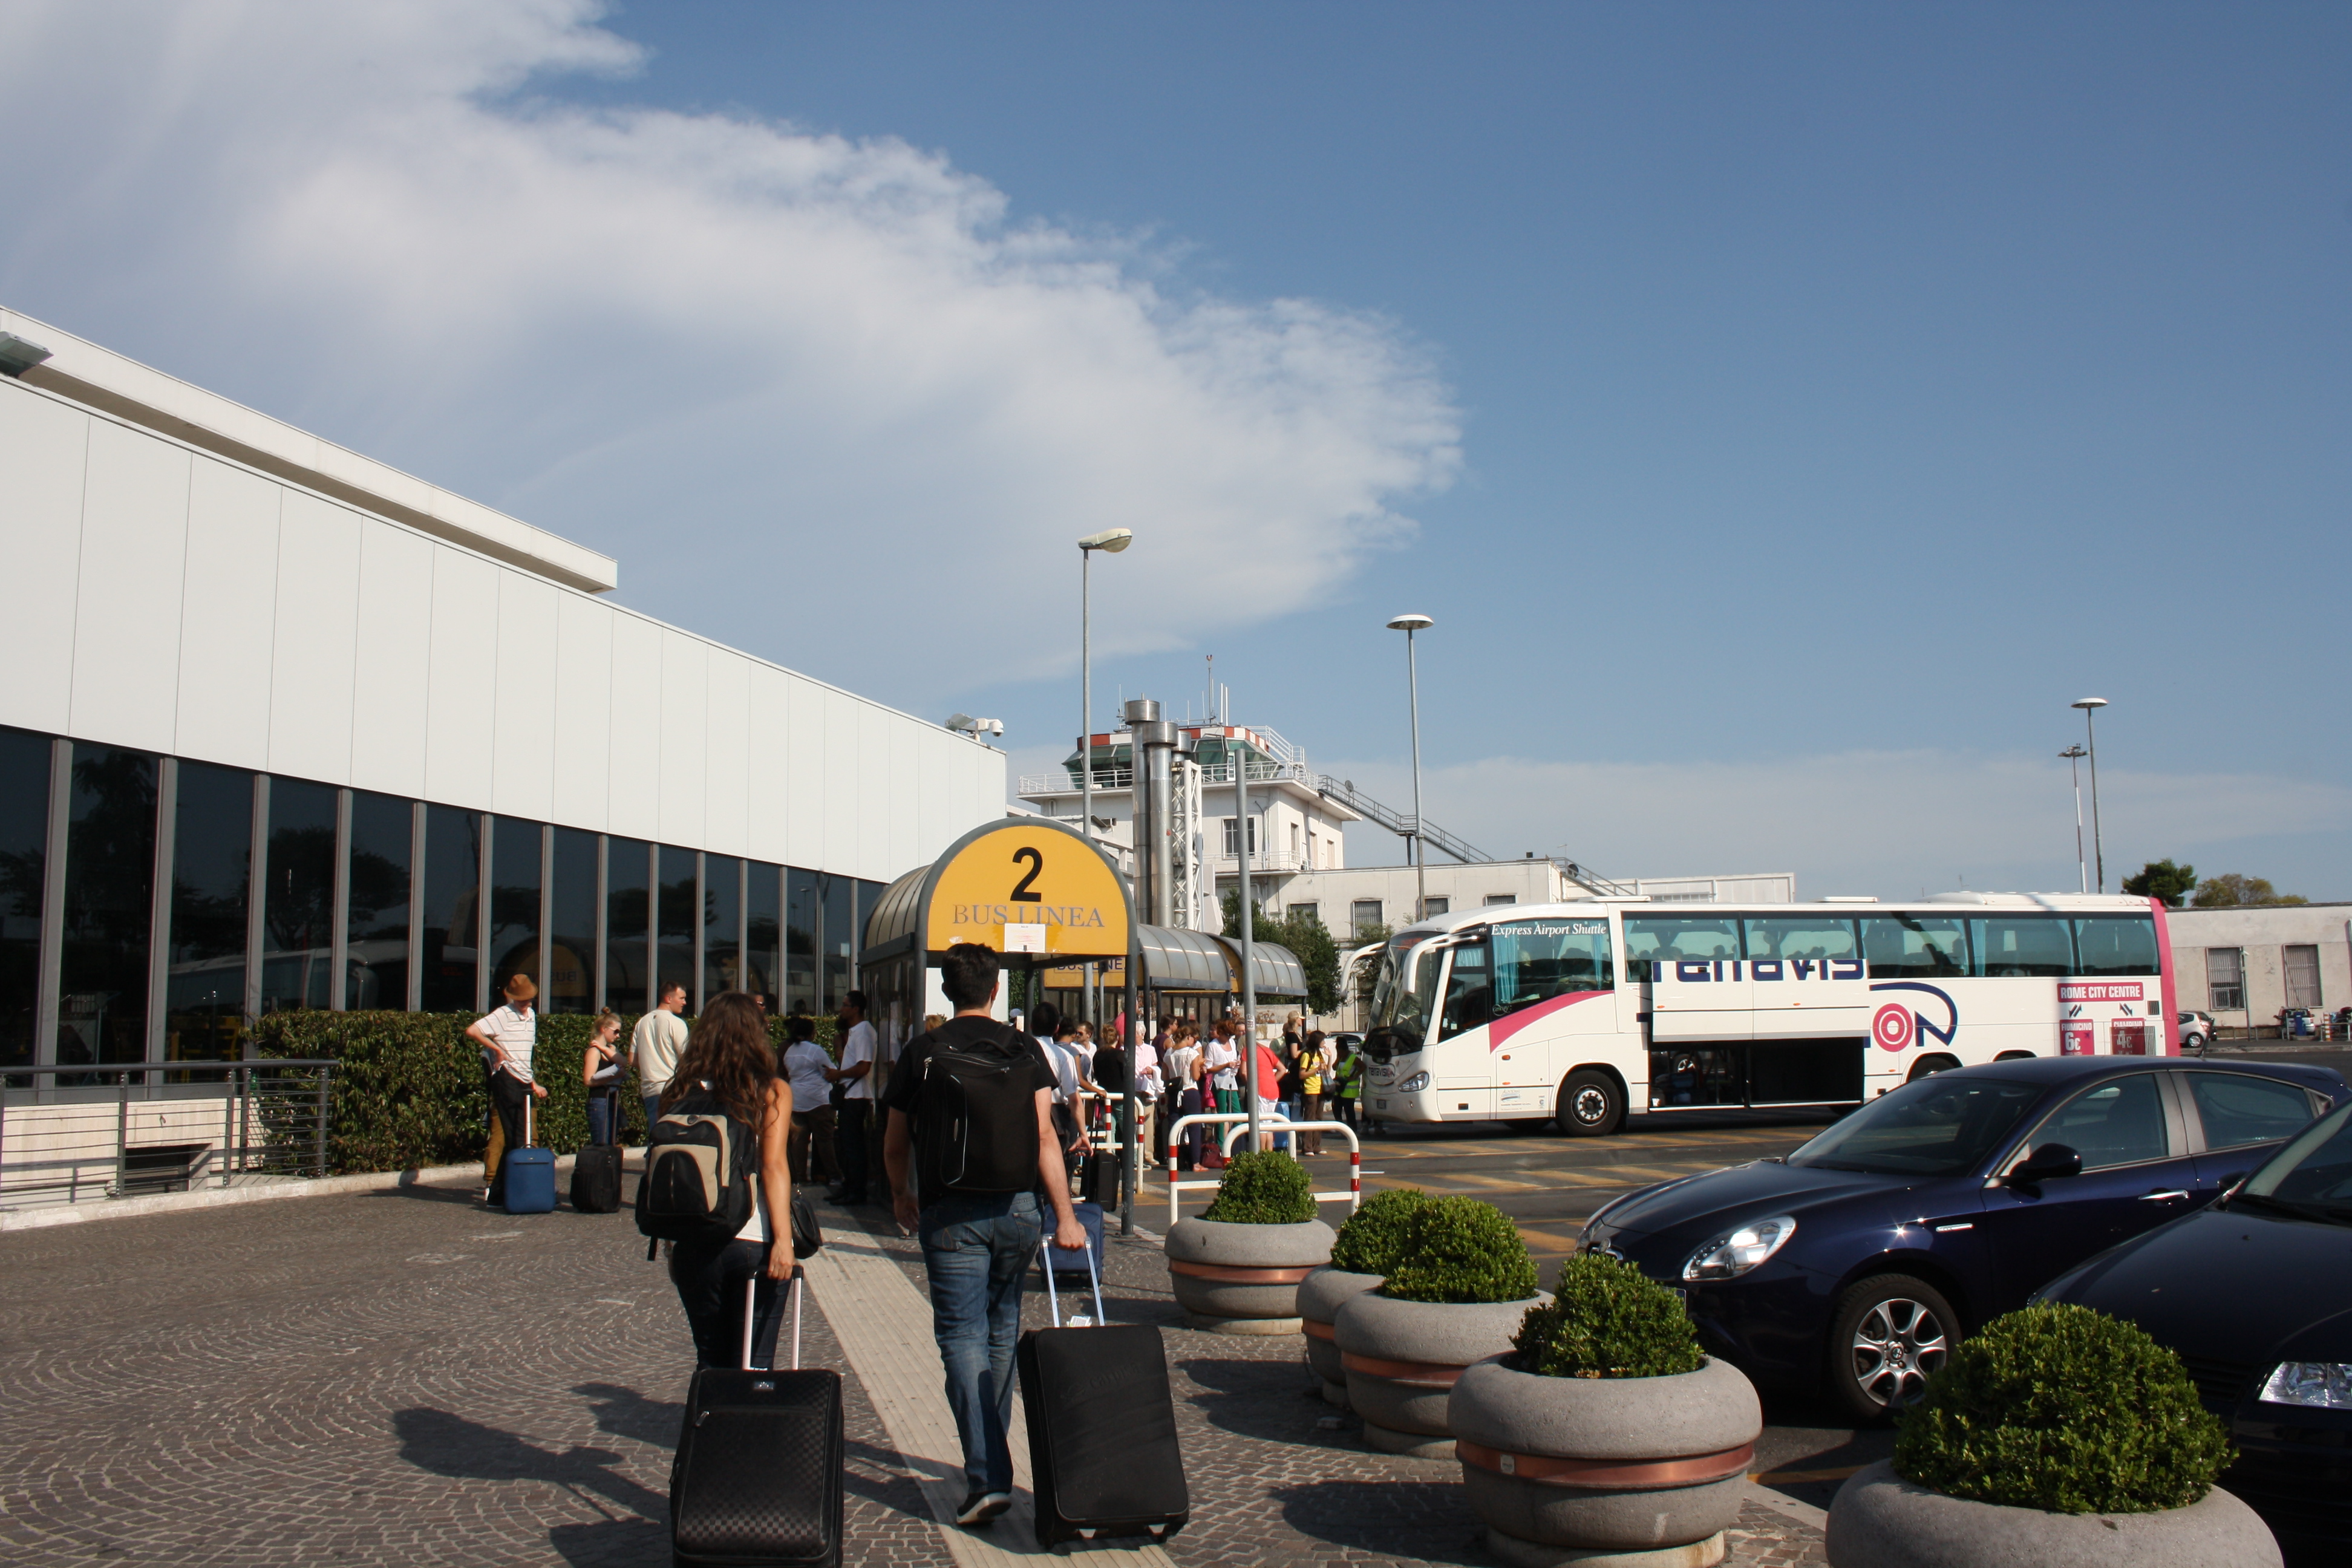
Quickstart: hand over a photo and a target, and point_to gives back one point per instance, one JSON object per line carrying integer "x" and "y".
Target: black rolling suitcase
{"x": 596, "y": 1179}
{"x": 757, "y": 1482}
{"x": 1098, "y": 1178}
{"x": 1103, "y": 1454}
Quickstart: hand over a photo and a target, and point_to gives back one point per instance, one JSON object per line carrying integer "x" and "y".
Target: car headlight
{"x": 2322, "y": 1384}
{"x": 1729, "y": 1257}
{"x": 1414, "y": 1084}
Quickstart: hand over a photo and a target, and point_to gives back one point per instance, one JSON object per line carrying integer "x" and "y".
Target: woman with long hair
{"x": 728, "y": 1066}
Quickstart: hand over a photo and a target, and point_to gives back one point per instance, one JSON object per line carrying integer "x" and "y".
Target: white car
{"x": 2196, "y": 1032}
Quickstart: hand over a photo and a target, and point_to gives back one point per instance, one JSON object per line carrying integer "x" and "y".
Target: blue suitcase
{"x": 528, "y": 1174}
{"x": 1078, "y": 1263}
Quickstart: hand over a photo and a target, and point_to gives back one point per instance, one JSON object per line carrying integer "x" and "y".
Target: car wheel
{"x": 1591, "y": 1104}
{"x": 1890, "y": 1334}
{"x": 2193, "y": 1045}
{"x": 1929, "y": 1067}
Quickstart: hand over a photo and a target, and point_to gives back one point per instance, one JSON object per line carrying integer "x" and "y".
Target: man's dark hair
{"x": 1045, "y": 1020}
{"x": 855, "y": 999}
{"x": 801, "y": 1028}
{"x": 968, "y": 974}
{"x": 668, "y": 986}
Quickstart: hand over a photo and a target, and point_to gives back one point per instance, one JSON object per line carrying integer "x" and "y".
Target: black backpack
{"x": 977, "y": 1114}
{"x": 700, "y": 1167}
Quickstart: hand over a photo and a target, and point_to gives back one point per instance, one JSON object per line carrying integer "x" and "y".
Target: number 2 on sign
{"x": 1037, "y": 863}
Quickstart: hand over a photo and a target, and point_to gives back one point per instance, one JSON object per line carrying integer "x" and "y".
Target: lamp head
{"x": 2074, "y": 752}
{"x": 1410, "y": 624}
{"x": 2089, "y": 703}
{"x": 1110, "y": 541}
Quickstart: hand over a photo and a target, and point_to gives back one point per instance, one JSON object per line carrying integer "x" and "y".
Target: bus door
{"x": 1812, "y": 1009}
{"x": 1464, "y": 1074}
{"x": 1555, "y": 1005}
{"x": 1698, "y": 1012}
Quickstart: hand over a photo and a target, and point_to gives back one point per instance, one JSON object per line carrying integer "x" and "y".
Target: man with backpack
{"x": 970, "y": 1145}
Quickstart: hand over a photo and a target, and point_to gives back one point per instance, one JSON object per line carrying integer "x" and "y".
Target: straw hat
{"x": 520, "y": 988}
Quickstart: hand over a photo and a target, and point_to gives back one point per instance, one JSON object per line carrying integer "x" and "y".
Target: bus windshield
{"x": 1402, "y": 997}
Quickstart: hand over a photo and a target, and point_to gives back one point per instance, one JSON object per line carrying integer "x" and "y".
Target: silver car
{"x": 2195, "y": 1033}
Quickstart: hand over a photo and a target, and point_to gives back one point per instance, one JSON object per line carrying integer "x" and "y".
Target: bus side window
{"x": 1469, "y": 993}
{"x": 1898, "y": 945}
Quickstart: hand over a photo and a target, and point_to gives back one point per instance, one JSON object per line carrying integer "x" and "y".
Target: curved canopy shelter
{"x": 1275, "y": 970}
{"x": 1182, "y": 963}
{"x": 1031, "y": 889}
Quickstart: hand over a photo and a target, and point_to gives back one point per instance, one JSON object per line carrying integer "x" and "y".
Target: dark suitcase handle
{"x": 1053, "y": 1298}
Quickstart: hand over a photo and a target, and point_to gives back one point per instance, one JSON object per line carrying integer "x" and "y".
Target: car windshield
{"x": 2313, "y": 1174}
{"x": 1940, "y": 1126}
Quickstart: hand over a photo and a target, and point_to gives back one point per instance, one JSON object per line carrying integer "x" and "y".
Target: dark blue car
{"x": 1854, "y": 1264}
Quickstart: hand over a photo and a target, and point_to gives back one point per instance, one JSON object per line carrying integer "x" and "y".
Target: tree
{"x": 2231, "y": 891}
{"x": 1304, "y": 935}
{"x": 2162, "y": 879}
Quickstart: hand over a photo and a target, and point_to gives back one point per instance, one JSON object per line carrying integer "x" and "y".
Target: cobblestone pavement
{"x": 406, "y": 1378}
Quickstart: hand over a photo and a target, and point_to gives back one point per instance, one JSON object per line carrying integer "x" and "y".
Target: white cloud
{"x": 1888, "y": 822}
{"x": 818, "y": 394}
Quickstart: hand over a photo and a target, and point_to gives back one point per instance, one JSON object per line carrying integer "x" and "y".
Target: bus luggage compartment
{"x": 1777, "y": 1072}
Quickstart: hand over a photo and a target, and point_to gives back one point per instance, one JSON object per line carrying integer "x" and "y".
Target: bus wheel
{"x": 1591, "y": 1104}
{"x": 1928, "y": 1066}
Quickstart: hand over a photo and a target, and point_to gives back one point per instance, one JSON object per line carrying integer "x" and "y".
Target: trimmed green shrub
{"x": 1368, "y": 1243}
{"x": 408, "y": 1089}
{"x": 1262, "y": 1187}
{"x": 1607, "y": 1319}
{"x": 2067, "y": 1410}
{"x": 1459, "y": 1249}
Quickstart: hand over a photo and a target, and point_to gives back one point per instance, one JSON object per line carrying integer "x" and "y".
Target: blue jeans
{"x": 653, "y": 1112}
{"x": 976, "y": 1252}
{"x": 604, "y": 1116}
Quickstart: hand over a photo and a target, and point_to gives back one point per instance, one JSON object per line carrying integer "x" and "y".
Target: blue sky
{"x": 1784, "y": 412}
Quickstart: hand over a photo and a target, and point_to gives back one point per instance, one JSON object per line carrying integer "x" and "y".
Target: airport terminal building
{"x": 282, "y": 727}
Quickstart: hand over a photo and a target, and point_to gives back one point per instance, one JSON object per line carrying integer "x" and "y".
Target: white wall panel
{"x": 522, "y": 753}
{"x": 315, "y": 645}
{"x": 393, "y": 658}
{"x": 874, "y": 792}
{"x": 841, "y": 782}
{"x": 808, "y": 771}
{"x": 636, "y": 769}
{"x": 685, "y": 732}
{"x": 901, "y": 844}
{"x": 767, "y": 738}
{"x": 225, "y": 678}
{"x": 727, "y": 754}
{"x": 135, "y": 539}
{"x": 583, "y": 711}
{"x": 45, "y": 453}
{"x": 462, "y": 703}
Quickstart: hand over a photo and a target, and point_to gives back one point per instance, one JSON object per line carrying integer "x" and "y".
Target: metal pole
{"x": 2074, "y": 756}
{"x": 1130, "y": 1151}
{"x": 122, "y": 1138}
{"x": 320, "y": 1134}
{"x": 1420, "y": 847}
{"x": 1086, "y": 724}
{"x": 1249, "y": 980}
{"x": 2099, "y": 850}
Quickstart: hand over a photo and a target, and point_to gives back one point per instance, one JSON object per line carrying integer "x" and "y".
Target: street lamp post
{"x": 1111, "y": 541}
{"x": 2090, "y": 705}
{"x": 2074, "y": 755}
{"x": 1408, "y": 625}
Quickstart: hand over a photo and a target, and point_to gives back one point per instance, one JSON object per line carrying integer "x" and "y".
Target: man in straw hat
{"x": 507, "y": 1035}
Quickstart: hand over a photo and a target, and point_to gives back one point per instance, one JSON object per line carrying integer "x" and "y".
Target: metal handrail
{"x": 1353, "y": 1197}
{"x": 235, "y": 1149}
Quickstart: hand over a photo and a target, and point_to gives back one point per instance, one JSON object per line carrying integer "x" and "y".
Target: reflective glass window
{"x": 298, "y": 910}
{"x": 109, "y": 905}
{"x": 2023, "y": 945}
{"x": 840, "y": 937}
{"x": 2115, "y": 945}
{"x": 722, "y": 924}
{"x": 2238, "y": 1109}
{"x": 23, "y": 871}
{"x": 1538, "y": 959}
{"x": 1469, "y": 992}
{"x": 764, "y": 909}
{"x": 2120, "y": 1123}
{"x": 1915, "y": 945}
{"x": 453, "y": 880}
{"x": 680, "y": 908}
{"x": 1653, "y": 937}
{"x": 212, "y": 855}
{"x": 514, "y": 873}
{"x": 376, "y": 940}
{"x": 803, "y": 911}
{"x": 1802, "y": 936}
{"x": 571, "y": 956}
{"x": 628, "y": 913}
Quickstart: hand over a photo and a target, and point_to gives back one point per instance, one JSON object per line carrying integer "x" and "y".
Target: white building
{"x": 283, "y": 727}
{"x": 2245, "y": 965}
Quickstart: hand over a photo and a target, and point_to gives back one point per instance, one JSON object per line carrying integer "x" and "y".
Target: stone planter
{"x": 1402, "y": 1359}
{"x": 1244, "y": 1279}
{"x": 1605, "y": 1471}
{"x": 1880, "y": 1521}
{"x": 1320, "y": 1296}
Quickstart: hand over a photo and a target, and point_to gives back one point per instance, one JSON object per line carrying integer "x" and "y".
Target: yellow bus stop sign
{"x": 1033, "y": 889}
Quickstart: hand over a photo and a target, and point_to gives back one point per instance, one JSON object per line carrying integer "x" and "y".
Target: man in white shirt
{"x": 657, "y": 1043}
{"x": 857, "y": 1112}
{"x": 508, "y": 1036}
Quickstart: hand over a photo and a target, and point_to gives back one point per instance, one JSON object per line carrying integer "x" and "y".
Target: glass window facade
{"x": 628, "y": 913}
{"x": 515, "y": 855}
{"x": 453, "y": 881}
{"x": 571, "y": 899}
{"x": 763, "y": 926}
{"x": 840, "y": 921}
{"x": 298, "y": 910}
{"x": 680, "y": 905}
{"x": 109, "y": 899}
{"x": 722, "y": 924}
{"x": 212, "y": 854}
{"x": 24, "y": 874}
{"x": 803, "y": 913}
{"x": 376, "y": 952}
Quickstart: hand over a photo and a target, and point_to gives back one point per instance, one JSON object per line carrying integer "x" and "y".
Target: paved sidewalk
{"x": 404, "y": 1377}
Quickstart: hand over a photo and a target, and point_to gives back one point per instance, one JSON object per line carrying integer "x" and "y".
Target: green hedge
{"x": 1607, "y": 1319}
{"x": 1368, "y": 1242}
{"x": 1459, "y": 1249}
{"x": 408, "y": 1089}
{"x": 1262, "y": 1187}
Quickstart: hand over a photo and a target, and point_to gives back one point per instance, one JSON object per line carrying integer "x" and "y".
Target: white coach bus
{"x": 1584, "y": 1013}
